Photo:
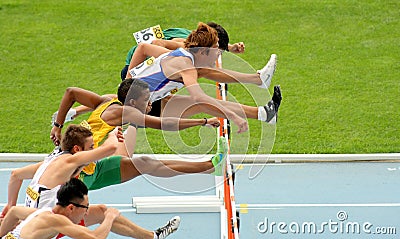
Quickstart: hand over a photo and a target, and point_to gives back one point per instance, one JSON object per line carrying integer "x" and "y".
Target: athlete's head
{"x": 203, "y": 36}
{"x": 134, "y": 92}
{"x": 73, "y": 197}
{"x": 77, "y": 138}
{"x": 223, "y": 37}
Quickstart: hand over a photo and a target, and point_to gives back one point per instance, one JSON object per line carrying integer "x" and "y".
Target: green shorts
{"x": 106, "y": 173}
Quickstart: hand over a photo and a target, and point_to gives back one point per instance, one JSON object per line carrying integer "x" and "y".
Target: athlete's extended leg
{"x": 161, "y": 168}
{"x": 131, "y": 168}
{"x": 184, "y": 106}
{"x": 269, "y": 112}
{"x": 262, "y": 78}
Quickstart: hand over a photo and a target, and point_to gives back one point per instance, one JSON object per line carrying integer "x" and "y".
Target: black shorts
{"x": 155, "y": 108}
{"x": 124, "y": 71}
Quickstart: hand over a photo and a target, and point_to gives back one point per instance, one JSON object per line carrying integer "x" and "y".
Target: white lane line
{"x": 6, "y": 169}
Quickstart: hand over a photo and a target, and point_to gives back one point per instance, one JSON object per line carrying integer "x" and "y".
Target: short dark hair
{"x": 72, "y": 191}
{"x": 131, "y": 88}
{"x": 223, "y": 37}
{"x": 74, "y": 135}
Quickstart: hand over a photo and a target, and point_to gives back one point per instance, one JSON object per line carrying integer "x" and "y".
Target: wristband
{"x": 58, "y": 125}
{"x": 205, "y": 122}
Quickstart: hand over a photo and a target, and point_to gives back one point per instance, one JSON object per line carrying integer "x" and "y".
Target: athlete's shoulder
{"x": 54, "y": 221}
{"x": 107, "y": 103}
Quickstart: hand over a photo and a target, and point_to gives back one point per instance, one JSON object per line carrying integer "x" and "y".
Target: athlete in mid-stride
{"x": 173, "y": 70}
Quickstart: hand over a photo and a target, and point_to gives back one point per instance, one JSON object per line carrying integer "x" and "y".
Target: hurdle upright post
{"x": 229, "y": 196}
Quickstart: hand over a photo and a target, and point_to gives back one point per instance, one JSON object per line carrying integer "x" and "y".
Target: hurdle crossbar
{"x": 174, "y": 204}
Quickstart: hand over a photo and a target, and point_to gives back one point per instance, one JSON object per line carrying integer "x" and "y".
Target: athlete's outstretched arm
{"x": 15, "y": 182}
{"x": 64, "y": 226}
{"x": 80, "y": 158}
{"x": 121, "y": 225}
{"x": 134, "y": 116}
{"x": 169, "y": 44}
{"x": 13, "y": 217}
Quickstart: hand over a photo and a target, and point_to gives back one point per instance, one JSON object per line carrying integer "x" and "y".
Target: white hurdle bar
{"x": 174, "y": 204}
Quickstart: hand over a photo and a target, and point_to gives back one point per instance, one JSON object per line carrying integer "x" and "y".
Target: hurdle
{"x": 224, "y": 200}
{"x": 232, "y": 230}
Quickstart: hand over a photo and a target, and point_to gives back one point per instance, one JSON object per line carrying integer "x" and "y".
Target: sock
{"x": 262, "y": 114}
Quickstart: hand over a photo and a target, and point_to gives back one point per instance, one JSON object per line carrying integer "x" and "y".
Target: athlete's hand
{"x": 116, "y": 136}
{"x": 119, "y": 134}
{"x": 241, "y": 123}
{"x": 237, "y": 47}
{"x": 55, "y": 135}
{"x": 71, "y": 114}
{"x": 5, "y": 210}
{"x": 112, "y": 213}
{"x": 212, "y": 122}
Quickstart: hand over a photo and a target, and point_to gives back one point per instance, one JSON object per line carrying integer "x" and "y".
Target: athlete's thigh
{"x": 107, "y": 173}
{"x": 180, "y": 106}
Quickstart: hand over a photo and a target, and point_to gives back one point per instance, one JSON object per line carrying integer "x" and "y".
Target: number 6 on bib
{"x": 149, "y": 34}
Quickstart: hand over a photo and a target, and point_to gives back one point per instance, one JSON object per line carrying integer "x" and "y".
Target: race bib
{"x": 9, "y": 236}
{"x": 149, "y": 34}
{"x": 33, "y": 195}
{"x": 85, "y": 124}
{"x": 140, "y": 68}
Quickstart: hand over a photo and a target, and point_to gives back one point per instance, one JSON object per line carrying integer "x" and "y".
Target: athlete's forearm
{"x": 8, "y": 223}
{"x": 13, "y": 217}
{"x": 85, "y": 157}
{"x": 169, "y": 44}
{"x": 82, "y": 109}
{"x": 212, "y": 106}
{"x": 16, "y": 179}
{"x": 105, "y": 227}
{"x": 175, "y": 124}
{"x": 14, "y": 185}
